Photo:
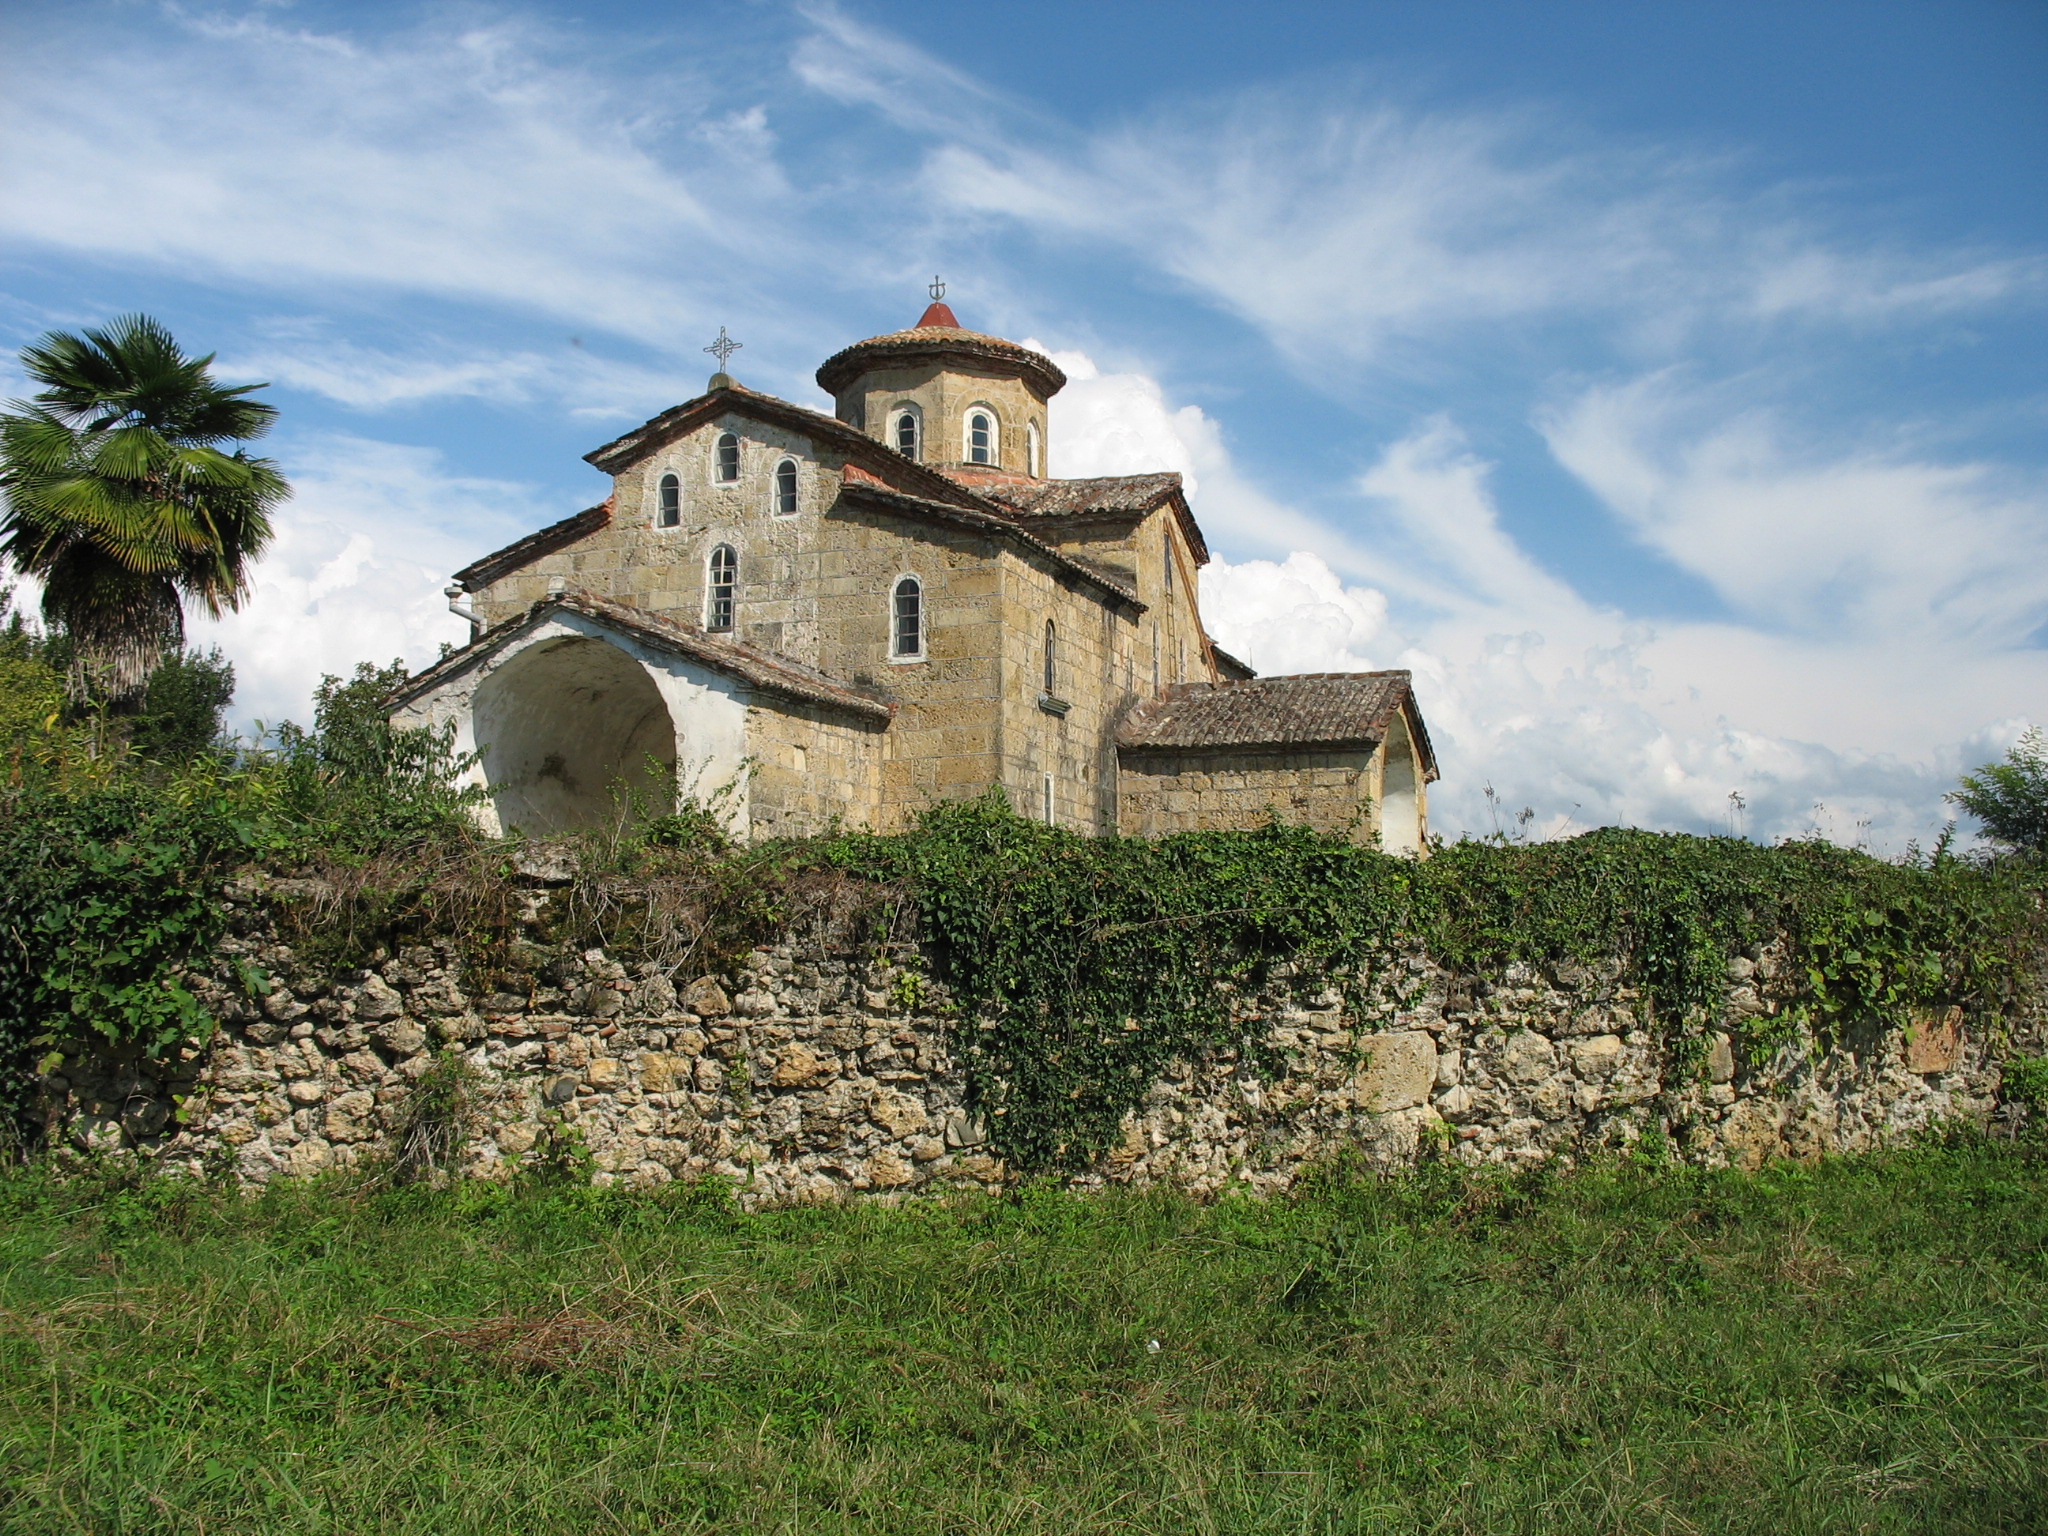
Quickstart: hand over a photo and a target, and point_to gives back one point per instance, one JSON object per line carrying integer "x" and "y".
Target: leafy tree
{"x": 2011, "y": 798}
{"x": 31, "y": 687}
{"x": 365, "y": 779}
{"x": 123, "y": 499}
{"x": 184, "y": 708}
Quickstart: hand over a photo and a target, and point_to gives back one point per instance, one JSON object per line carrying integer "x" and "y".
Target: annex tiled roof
{"x": 939, "y": 341}
{"x": 758, "y": 669}
{"x": 481, "y": 573}
{"x": 1107, "y": 494}
{"x": 1299, "y": 713}
{"x": 862, "y": 486}
{"x": 1047, "y": 504}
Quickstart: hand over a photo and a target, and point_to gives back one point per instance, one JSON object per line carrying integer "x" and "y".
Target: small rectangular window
{"x": 1045, "y": 794}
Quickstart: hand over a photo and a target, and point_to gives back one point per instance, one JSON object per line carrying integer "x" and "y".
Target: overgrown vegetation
{"x": 1087, "y": 964}
{"x": 1079, "y": 966}
{"x": 1859, "y": 1346}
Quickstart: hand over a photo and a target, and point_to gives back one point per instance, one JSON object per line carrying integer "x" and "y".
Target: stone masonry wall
{"x": 807, "y": 1074}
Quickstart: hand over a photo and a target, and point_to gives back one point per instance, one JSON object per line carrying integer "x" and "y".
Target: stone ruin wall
{"x": 806, "y": 1075}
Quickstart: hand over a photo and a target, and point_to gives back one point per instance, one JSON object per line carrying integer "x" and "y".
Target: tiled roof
{"x": 842, "y": 368}
{"x": 758, "y": 669}
{"x": 1112, "y": 494}
{"x": 481, "y": 573}
{"x": 1313, "y": 709}
{"x": 862, "y": 486}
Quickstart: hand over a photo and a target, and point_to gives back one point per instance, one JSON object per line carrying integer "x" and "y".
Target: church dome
{"x": 939, "y": 337}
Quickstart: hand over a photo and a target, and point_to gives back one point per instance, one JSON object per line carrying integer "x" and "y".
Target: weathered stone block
{"x": 1597, "y": 1058}
{"x": 706, "y": 998}
{"x": 1934, "y": 1040}
{"x": 1528, "y": 1057}
{"x": 1398, "y": 1073}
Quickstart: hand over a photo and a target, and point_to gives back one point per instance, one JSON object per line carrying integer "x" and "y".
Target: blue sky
{"x": 1662, "y": 384}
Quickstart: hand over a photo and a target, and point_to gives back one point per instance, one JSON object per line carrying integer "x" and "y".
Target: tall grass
{"x": 1858, "y": 1346}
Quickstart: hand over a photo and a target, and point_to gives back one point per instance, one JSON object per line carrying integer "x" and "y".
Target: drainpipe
{"x": 461, "y": 611}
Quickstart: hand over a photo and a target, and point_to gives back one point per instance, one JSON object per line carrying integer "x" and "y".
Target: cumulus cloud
{"x": 356, "y": 573}
{"x": 1578, "y": 711}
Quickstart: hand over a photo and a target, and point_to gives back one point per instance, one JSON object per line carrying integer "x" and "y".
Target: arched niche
{"x": 1400, "y": 793}
{"x": 573, "y": 733}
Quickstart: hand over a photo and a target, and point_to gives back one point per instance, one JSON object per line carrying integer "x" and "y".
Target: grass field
{"x": 1858, "y": 1346}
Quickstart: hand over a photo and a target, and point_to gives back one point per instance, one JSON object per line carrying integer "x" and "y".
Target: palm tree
{"x": 122, "y": 500}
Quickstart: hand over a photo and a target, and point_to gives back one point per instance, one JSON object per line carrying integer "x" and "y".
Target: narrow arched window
{"x": 726, "y": 471}
{"x": 981, "y": 438}
{"x": 1166, "y": 550}
{"x": 671, "y": 512}
{"x": 1031, "y": 450}
{"x": 1052, "y": 670}
{"x": 906, "y": 635}
{"x": 785, "y": 488}
{"x": 723, "y": 581}
{"x": 906, "y": 434}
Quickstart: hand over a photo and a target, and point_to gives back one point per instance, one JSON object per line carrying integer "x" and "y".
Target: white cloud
{"x": 480, "y": 163}
{"x": 356, "y": 573}
{"x": 374, "y": 379}
{"x": 1578, "y": 711}
{"x": 1874, "y": 543}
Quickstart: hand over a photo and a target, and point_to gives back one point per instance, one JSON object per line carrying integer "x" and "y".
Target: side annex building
{"x": 808, "y": 619}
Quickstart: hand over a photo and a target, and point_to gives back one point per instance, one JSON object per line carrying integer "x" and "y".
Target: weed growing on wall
{"x": 1083, "y": 966}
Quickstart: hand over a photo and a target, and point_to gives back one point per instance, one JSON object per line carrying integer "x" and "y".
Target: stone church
{"x": 805, "y": 619}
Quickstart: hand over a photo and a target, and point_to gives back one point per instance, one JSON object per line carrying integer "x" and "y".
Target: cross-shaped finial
{"x": 936, "y": 288}
{"x": 723, "y": 348}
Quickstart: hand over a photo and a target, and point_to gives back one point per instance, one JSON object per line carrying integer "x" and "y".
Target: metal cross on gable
{"x": 723, "y": 348}
{"x": 936, "y": 288}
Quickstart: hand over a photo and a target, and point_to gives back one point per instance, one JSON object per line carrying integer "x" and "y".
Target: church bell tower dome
{"x": 947, "y": 395}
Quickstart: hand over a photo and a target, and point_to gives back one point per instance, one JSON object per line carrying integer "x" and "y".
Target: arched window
{"x": 1052, "y": 670}
{"x": 1046, "y": 808}
{"x": 981, "y": 437}
{"x": 1031, "y": 450}
{"x": 1166, "y": 548}
{"x": 726, "y": 466}
{"x": 905, "y": 434}
{"x": 723, "y": 579}
{"x": 906, "y": 632}
{"x": 785, "y": 488}
{"x": 671, "y": 513}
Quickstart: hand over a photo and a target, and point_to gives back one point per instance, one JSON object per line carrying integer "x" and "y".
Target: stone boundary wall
{"x": 807, "y": 1074}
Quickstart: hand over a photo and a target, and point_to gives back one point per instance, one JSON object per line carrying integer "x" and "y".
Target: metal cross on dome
{"x": 936, "y": 288}
{"x": 723, "y": 348}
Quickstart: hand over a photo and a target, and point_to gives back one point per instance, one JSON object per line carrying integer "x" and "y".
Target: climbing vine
{"x": 1083, "y": 967}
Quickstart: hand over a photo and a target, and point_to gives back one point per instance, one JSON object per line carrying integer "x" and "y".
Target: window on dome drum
{"x": 1031, "y": 449}
{"x": 906, "y": 635}
{"x": 727, "y": 470}
{"x": 906, "y": 434}
{"x": 1052, "y": 671}
{"x": 671, "y": 512}
{"x": 719, "y": 589}
{"x": 981, "y": 438}
{"x": 785, "y": 488}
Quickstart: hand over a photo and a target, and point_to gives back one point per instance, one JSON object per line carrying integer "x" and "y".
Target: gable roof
{"x": 857, "y": 485}
{"x": 872, "y": 469}
{"x": 1114, "y": 497}
{"x": 1300, "y": 713}
{"x": 886, "y": 462}
{"x": 762, "y": 671}
{"x": 481, "y": 573}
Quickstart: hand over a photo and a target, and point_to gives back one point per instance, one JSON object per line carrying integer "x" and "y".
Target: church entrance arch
{"x": 573, "y": 733}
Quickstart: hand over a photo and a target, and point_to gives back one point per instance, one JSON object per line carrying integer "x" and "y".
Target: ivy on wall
{"x": 1081, "y": 967}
